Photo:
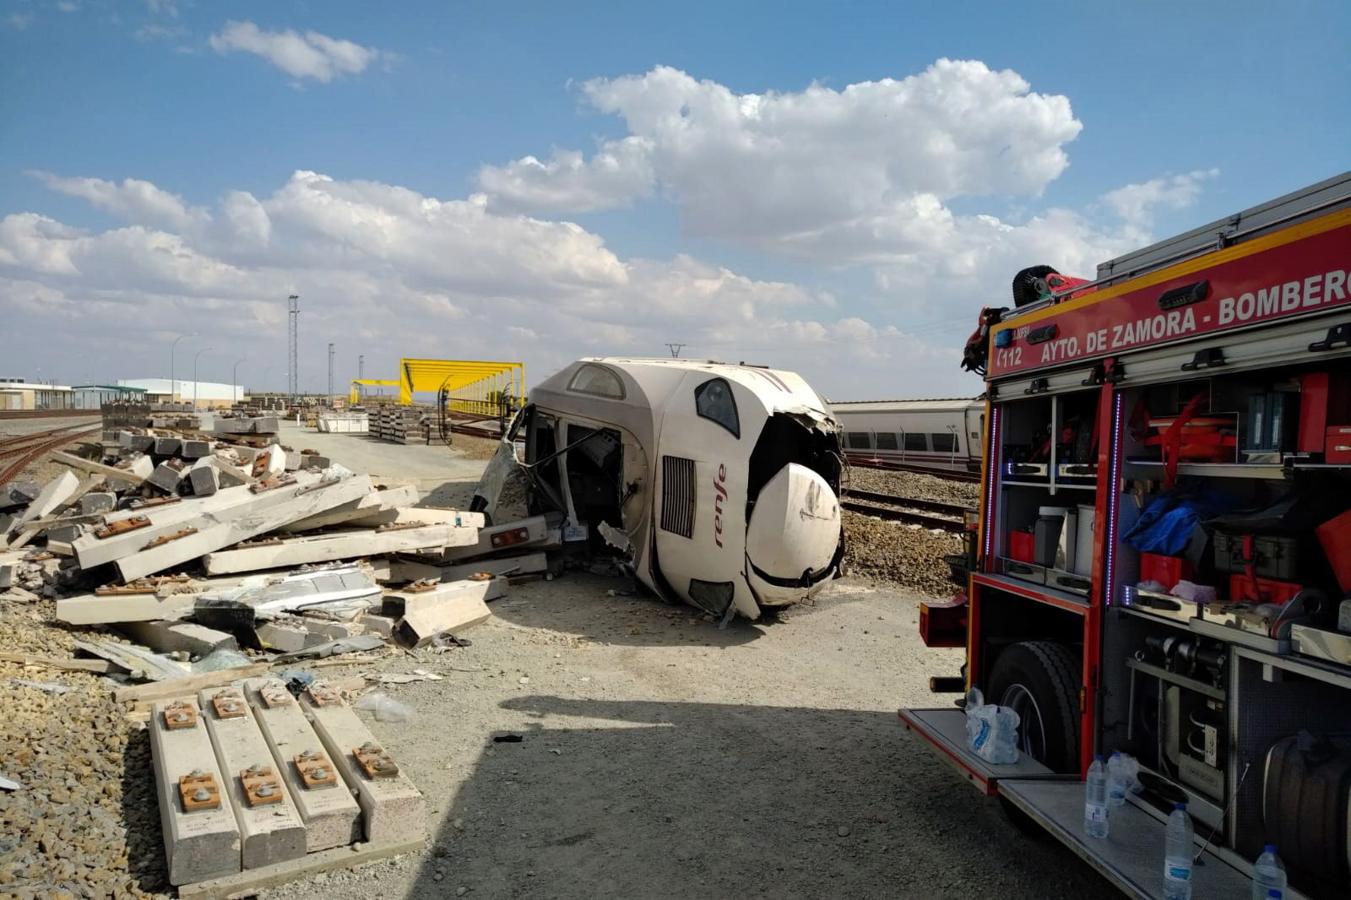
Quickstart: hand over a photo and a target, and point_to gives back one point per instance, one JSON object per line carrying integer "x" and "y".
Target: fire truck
{"x": 1162, "y": 562}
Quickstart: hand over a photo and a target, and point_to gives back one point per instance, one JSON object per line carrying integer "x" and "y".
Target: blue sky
{"x": 728, "y": 234}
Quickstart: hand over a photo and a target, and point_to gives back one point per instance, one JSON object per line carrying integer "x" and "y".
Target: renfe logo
{"x": 719, "y": 488}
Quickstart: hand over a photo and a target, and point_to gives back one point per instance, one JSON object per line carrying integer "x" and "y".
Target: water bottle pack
{"x": 991, "y": 730}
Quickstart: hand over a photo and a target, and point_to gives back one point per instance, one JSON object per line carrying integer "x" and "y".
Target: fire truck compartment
{"x": 1131, "y": 856}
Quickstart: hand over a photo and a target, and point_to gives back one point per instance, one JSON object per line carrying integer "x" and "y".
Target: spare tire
{"x": 1040, "y": 681}
{"x": 1025, "y": 284}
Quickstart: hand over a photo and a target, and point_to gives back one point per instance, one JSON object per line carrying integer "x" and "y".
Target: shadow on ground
{"x": 665, "y": 799}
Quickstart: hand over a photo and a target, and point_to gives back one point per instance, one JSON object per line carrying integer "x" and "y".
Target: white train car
{"x": 718, "y": 482}
{"x": 938, "y": 434}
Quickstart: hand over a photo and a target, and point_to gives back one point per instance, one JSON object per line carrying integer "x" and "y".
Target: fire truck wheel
{"x": 1040, "y": 681}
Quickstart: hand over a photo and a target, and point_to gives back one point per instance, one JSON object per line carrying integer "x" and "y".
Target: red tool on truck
{"x": 1162, "y": 566}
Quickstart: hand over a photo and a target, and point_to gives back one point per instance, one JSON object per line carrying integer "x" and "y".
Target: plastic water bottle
{"x": 1268, "y": 875}
{"x": 1116, "y": 781}
{"x": 1177, "y": 856}
{"x": 1095, "y": 800}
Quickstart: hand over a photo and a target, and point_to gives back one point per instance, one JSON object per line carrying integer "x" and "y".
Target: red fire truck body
{"x": 1164, "y": 549}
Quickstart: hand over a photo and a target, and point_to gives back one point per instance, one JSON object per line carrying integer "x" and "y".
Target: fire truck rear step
{"x": 1131, "y": 857}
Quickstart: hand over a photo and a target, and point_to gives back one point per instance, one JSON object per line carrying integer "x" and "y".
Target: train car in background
{"x": 938, "y": 434}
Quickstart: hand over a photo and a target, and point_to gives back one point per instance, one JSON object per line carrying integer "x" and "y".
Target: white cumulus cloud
{"x": 309, "y": 55}
{"x": 133, "y": 199}
{"x": 837, "y": 175}
{"x": 1136, "y": 203}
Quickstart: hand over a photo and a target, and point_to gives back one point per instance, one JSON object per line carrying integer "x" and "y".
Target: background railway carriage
{"x": 719, "y": 482}
{"x": 940, "y": 434}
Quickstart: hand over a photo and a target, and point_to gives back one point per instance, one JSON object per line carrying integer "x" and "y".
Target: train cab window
{"x": 713, "y": 401}
{"x": 886, "y": 441}
{"x": 858, "y": 440}
{"x": 915, "y": 440}
{"x": 597, "y": 381}
{"x": 944, "y": 443}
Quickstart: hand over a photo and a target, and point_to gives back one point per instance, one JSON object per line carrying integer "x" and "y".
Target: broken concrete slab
{"x": 421, "y": 515}
{"x": 282, "y": 636}
{"x": 337, "y": 592}
{"x": 93, "y": 609}
{"x": 266, "y": 511}
{"x": 198, "y": 843}
{"x": 140, "y": 662}
{"x": 374, "y": 502}
{"x": 308, "y": 549}
{"x": 321, "y": 630}
{"x": 511, "y": 566}
{"x": 392, "y": 807}
{"x": 270, "y": 827}
{"x": 448, "y": 608}
{"x": 174, "y": 637}
{"x": 51, "y": 497}
{"x": 330, "y": 812}
{"x": 378, "y": 624}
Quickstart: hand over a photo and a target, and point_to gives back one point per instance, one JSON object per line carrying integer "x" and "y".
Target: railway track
{"x": 910, "y": 510}
{"x": 949, "y": 474}
{"x": 16, "y": 453}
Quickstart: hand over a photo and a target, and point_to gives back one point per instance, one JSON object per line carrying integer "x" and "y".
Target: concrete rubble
{"x": 194, "y": 558}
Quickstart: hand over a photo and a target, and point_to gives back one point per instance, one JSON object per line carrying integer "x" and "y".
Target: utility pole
{"x": 675, "y": 349}
{"x": 330, "y": 373}
{"x": 293, "y": 372}
{"x": 361, "y": 373}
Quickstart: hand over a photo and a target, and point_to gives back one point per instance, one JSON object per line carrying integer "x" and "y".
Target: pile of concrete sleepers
{"x": 401, "y": 424}
{"x": 189, "y": 546}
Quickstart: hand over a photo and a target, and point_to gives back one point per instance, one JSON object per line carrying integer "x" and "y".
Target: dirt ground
{"x": 662, "y": 757}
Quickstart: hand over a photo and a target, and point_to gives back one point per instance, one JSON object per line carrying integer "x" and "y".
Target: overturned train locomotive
{"x": 717, "y": 483}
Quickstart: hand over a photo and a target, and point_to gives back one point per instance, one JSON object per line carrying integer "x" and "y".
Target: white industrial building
{"x": 180, "y": 390}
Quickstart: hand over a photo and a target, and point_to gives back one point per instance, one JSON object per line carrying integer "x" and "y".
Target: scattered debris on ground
{"x": 178, "y": 570}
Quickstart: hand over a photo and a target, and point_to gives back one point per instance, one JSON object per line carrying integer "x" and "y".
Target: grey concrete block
{"x": 281, "y": 636}
{"x": 174, "y": 637}
{"x": 166, "y": 476}
{"x": 393, "y": 807}
{"x": 205, "y": 480}
{"x": 63, "y": 533}
{"x": 96, "y": 502}
{"x": 167, "y": 446}
{"x": 192, "y": 449}
{"x": 269, "y": 832}
{"x": 198, "y": 844}
{"x": 332, "y": 817}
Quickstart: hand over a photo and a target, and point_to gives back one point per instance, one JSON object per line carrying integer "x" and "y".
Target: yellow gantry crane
{"x": 471, "y": 386}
